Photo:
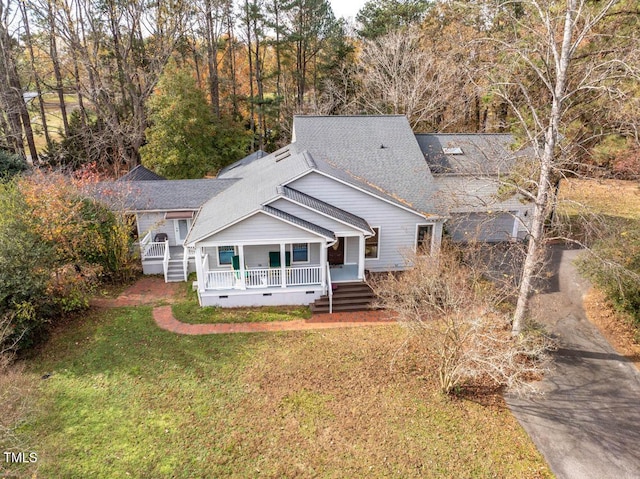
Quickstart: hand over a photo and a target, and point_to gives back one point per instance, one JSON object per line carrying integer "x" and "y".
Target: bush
{"x": 11, "y": 165}
{"x": 614, "y": 266}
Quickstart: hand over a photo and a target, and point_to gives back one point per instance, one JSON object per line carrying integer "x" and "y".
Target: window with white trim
{"x": 372, "y": 245}
{"x": 225, "y": 255}
{"x": 300, "y": 252}
{"x": 423, "y": 239}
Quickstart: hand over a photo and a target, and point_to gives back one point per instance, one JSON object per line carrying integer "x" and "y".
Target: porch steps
{"x": 175, "y": 271}
{"x": 346, "y": 297}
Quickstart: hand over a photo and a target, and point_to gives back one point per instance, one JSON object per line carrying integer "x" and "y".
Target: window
{"x": 371, "y": 245}
{"x": 225, "y": 255}
{"x": 300, "y": 252}
{"x": 423, "y": 240}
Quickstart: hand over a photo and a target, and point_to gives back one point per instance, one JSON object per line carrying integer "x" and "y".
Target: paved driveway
{"x": 587, "y": 425}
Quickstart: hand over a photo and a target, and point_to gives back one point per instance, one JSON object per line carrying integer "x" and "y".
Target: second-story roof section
{"x": 470, "y": 154}
{"x": 325, "y": 209}
{"x": 256, "y": 155}
{"x": 379, "y": 152}
{"x": 255, "y": 187}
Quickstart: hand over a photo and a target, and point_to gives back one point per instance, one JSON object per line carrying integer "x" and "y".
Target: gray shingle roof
{"x": 300, "y": 222}
{"x": 164, "y": 195}
{"x": 256, "y": 155}
{"x": 256, "y": 187}
{"x": 378, "y": 153}
{"x": 325, "y": 208}
{"x": 140, "y": 173}
{"x": 477, "y": 154}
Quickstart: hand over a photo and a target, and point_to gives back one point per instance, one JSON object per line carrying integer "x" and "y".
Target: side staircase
{"x": 175, "y": 269}
{"x": 346, "y": 297}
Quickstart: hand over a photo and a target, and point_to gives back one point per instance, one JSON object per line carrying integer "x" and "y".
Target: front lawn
{"x": 126, "y": 399}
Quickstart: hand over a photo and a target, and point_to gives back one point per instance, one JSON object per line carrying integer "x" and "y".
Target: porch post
{"x": 283, "y": 265}
{"x": 243, "y": 280}
{"x": 323, "y": 264}
{"x": 361, "y": 256}
{"x": 199, "y": 269}
{"x": 516, "y": 225}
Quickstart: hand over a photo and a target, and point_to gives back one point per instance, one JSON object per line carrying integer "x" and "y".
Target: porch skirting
{"x": 303, "y": 295}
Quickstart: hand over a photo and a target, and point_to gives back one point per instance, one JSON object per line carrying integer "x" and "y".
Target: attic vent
{"x": 282, "y": 155}
{"x": 455, "y": 150}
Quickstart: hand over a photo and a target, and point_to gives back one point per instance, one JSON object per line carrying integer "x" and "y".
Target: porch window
{"x": 300, "y": 252}
{"x": 225, "y": 255}
{"x": 371, "y": 245}
{"x": 423, "y": 240}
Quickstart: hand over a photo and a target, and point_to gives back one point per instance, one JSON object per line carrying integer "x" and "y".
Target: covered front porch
{"x": 286, "y": 272}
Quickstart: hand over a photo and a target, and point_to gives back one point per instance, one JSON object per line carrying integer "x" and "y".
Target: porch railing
{"x": 305, "y": 275}
{"x": 165, "y": 260}
{"x": 329, "y": 288}
{"x": 263, "y": 278}
{"x": 188, "y": 254}
{"x": 152, "y": 249}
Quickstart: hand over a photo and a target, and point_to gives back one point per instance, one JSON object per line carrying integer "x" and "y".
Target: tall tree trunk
{"x": 212, "y": 59}
{"x": 547, "y": 160}
{"x": 34, "y": 71}
{"x": 252, "y": 119}
{"x": 53, "y": 52}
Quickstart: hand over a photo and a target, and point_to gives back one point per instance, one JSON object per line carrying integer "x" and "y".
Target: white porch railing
{"x": 329, "y": 288}
{"x": 263, "y": 278}
{"x": 187, "y": 254}
{"x": 152, "y": 249}
{"x": 305, "y": 275}
{"x": 220, "y": 279}
{"x": 165, "y": 260}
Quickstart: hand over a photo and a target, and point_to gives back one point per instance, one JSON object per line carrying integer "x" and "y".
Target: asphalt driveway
{"x": 587, "y": 424}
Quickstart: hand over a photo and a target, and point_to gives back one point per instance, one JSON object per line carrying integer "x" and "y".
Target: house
{"x": 349, "y": 195}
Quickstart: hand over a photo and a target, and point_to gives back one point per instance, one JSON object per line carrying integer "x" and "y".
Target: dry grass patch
{"x": 614, "y": 325}
{"x": 128, "y": 399}
{"x": 606, "y": 197}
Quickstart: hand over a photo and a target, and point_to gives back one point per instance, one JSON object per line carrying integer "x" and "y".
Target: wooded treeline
{"x": 449, "y": 66}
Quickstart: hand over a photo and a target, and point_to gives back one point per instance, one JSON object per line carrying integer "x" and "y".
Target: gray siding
{"x": 352, "y": 250}
{"x": 260, "y": 227}
{"x": 156, "y": 223}
{"x": 481, "y": 227}
{"x": 398, "y": 225}
{"x": 257, "y": 256}
{"x": 313, "y": 217}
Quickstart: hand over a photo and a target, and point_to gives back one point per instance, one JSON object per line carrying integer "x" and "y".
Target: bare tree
{"x": 454, "y": 311}
{"x": 553, "y": 55}
{"x": 400, "y": 76}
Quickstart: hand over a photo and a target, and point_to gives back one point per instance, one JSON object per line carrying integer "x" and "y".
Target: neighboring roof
{"x": 162, "y": 195}
{"x": 299, "y": 222}
{"x": 377, "y": 153}
{"x": 325, "y": 208}
{"x": 140, "y": 173}
{"x": 469, "y": 154}
{"x": 256, "y": 155}
{"x": 257, "y": 186}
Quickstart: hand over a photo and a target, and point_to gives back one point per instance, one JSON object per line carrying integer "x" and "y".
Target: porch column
{"x": 243, "y": 280}
{"x": 283, "y": 265}
{"x": 200, "y": 269}
{"x": 361, "y": 256}
{"x": 323, "y": 265}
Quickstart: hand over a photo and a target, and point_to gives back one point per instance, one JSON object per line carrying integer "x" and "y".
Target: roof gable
{"x": 140, "y": 173}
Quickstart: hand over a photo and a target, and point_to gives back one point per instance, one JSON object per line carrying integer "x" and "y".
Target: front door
{"x": 335, "y": 253}
{"x": 181, "y": 228}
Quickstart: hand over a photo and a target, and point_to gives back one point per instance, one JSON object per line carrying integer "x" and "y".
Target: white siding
{"x": 398, "y": 226}
{"x": 260, "y": 228}
{"x": 313, "y": 217}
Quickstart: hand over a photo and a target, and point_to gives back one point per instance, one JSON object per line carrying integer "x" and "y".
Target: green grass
{"x": 127, "y": 399}
{"x": 189, "y": 311}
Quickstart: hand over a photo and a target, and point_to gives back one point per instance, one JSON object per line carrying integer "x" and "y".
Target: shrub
{"x": 614, "y": 266}
{"x": 11, "y": 165}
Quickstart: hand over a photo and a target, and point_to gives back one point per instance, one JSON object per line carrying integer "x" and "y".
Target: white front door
{"x": 181, "y": 228}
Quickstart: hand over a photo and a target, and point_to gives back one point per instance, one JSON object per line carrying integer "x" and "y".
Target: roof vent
{"x": 281, "y": 155}
{"x": 454, "y": 150}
